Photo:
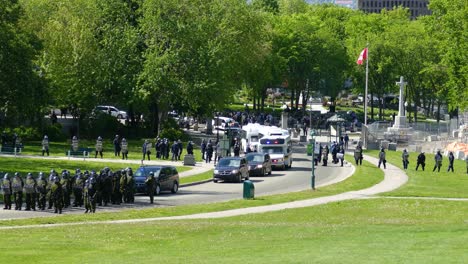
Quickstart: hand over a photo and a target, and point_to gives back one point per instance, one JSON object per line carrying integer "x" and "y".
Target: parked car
{"x": 167, "y": 178}
{"x": 259, "y": 163}
{"x": 231, "y": 169}
{"x": 111, "y": 110}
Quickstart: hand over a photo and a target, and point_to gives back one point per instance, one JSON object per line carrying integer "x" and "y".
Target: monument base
{"x": 395, "y": 134}
{"x": 400, "y": 122}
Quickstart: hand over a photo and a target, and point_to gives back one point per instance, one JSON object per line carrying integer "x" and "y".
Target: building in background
{"x": 416, "y": 7}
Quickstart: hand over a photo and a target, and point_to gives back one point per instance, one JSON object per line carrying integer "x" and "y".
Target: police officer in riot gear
{"x": 45, "y": 145}
{"x": 7, "y": 191}
{"x": 90, "y": 193}
{"x": 77, "y": 186}
{"x": 98, "y": 147}
{"x": 41, "y": 191}
{"x": 50, "y": 182}
{"x": 150, "y": 186}
{"x": 66, "y": 188}
{"x": 57, "y": 195}
{"x": 116, "y": 195}
{"x": 124, "y": 148}
{"x": 30, "y": 190}
{"x": 17, "y": 185}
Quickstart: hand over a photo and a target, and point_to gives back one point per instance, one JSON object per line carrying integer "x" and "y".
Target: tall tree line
{"x": 153, "y": 55}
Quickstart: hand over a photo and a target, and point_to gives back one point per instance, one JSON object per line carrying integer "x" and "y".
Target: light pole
{"x": 312, "y": 140}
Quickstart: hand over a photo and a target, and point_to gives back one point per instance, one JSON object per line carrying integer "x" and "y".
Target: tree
{"x": 197, "y": 51}
{"x": 21, "y": 87}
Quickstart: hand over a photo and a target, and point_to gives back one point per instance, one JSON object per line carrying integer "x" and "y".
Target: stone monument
{"x": 400, "y": 131}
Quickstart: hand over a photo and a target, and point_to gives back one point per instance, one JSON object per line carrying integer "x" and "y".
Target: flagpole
{"x": 367, "y": 82}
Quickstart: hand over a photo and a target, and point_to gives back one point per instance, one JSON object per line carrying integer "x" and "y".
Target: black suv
{"x": 259, "y": 163}
{"x": 167, "y": 178}
{"x": 231, "y": 169}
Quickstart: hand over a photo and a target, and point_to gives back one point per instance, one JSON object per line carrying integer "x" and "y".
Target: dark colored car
{"x": 259, "y": 163}
{"x": 231, "y": 169}
{"x": 167, "y": 178}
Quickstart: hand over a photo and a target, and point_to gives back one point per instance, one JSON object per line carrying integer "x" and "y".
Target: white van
{"x": 280, "y": 150}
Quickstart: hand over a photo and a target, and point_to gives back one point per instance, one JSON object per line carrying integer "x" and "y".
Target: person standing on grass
{"x": 98, "y": 147}
{"x": 75, "y": 143}
{"x": 382, "y": 158}
{"x": 405, "y": 159}
{"x": 451, "y": 159}
{"x": 421, "y": 161}
{"x": 45, "y": 145}
{"x": 438, "y": 161}
{"x": 124, "y": 148}
{"x": 116, "y": 143}
{"x": 146, "y": 150}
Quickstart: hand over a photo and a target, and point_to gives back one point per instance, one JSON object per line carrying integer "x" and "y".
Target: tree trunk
{"x": 263, "y": 100}
{"x": 254, "y": 103}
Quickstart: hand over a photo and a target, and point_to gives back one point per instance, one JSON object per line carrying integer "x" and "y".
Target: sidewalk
{"x": 394, "y": 178}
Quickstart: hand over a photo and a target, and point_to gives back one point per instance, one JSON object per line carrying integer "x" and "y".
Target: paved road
{"x": 295, "y": 179}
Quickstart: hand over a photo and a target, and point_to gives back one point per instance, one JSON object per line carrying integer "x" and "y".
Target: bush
{"x": 103, "y": 125}
{"x": 173, "y": 134}
{"x": 25, "y": 133}
{"x": 54, "y": 132}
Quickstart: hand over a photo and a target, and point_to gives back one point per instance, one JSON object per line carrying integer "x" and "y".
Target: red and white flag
{"x": 362, "y": 57}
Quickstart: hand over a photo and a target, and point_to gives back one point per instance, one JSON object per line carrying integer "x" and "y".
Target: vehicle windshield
{"x": 272, "y": 150}
{"x": 141, "y": 172}
{"x": 229, "y": 163}
{"x": 251, "y": 158}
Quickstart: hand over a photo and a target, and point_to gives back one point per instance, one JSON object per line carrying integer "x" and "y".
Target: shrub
{"x": 54, "y": 132}
{"x": 173, "y": 134}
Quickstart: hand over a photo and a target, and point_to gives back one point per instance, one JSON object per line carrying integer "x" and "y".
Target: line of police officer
{"x": 88, "y": 189}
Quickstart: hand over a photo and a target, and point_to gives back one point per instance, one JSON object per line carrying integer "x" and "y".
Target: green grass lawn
{"x": 365, "y": 176}
{"x": 25, "y": 165}
{"x": 356, "y": 231}
{"x": 134, "y": 149}
{"x": 427, "y": 183}
{"x": 198, "y": 177}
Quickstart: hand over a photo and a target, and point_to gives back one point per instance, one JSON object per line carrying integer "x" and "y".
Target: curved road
{"x": 295, "y": 179}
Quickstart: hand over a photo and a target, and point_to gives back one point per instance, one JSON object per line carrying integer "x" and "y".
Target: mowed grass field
{"x": 134, "y": 149}
{"x": 427, "y": 183}
{"x": 36, "y": 165}
{"x": 357, "y": 231}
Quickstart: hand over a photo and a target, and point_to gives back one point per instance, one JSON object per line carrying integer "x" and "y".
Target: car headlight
{"x": 216, "y": 171}
{"x": 260, "y": 166}
{"x": 235, "y": 171}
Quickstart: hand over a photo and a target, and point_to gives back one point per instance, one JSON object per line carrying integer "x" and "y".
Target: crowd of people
{"x": 55, "y": 191}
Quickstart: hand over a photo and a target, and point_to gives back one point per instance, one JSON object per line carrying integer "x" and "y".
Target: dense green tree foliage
{"x": 155, "y": 55}
{"x": 22, "y": 91}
